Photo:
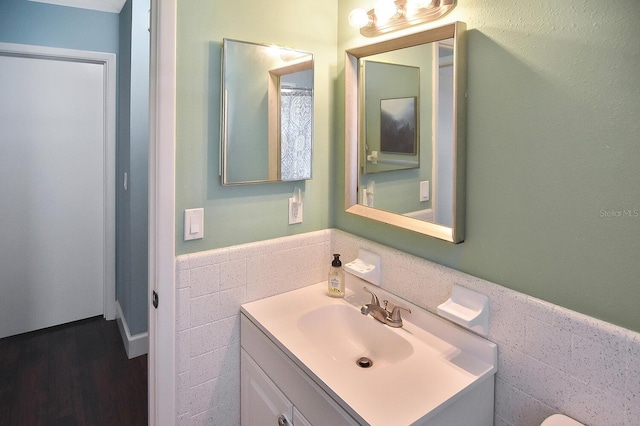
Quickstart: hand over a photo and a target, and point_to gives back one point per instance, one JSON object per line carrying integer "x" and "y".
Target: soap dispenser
{"x": 336, "y": 278}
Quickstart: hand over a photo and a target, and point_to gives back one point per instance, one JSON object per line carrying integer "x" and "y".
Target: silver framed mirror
{"x": 413, "y": 175}
{"x": 267, "y": 113}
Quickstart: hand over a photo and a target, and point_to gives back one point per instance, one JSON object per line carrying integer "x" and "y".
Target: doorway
{"x": 57, "y": 160}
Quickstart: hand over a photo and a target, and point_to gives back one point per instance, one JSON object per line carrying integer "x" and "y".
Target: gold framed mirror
{"x": 428, "y": 196}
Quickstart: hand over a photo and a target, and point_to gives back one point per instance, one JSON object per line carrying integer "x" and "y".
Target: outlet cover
{"x": 295, "y": 212}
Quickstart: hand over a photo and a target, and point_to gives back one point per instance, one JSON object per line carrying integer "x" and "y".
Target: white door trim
{"x": 108, "y": 61}
{"x": 162, "y": 136}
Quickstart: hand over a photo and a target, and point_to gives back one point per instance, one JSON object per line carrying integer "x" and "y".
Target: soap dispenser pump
{"x": 336, "y": 278}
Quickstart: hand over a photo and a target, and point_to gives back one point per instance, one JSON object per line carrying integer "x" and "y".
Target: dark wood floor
{"x": 73, "y": 374}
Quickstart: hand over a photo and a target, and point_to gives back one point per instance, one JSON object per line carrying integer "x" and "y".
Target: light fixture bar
{"x": 407, "y": 18}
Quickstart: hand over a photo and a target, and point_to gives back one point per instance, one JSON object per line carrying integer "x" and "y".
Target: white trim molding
{"x": 135, "y": 345}
{"x": 162, "y": 136}
{"x": 112, "y": 6}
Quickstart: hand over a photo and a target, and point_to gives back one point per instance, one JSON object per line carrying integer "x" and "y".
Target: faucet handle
{"x": 395, "y": 320}
{"x": 374, "y": 298}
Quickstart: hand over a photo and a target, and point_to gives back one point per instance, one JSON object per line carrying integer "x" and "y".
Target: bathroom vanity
{"x": 263, "y": 399}
{"x": 301, "y": 364}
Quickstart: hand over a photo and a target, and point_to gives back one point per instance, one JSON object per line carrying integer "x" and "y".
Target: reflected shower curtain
{"x": 296, "y": 133}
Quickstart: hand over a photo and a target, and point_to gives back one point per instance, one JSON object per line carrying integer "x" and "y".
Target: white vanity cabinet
{"x": 273, "y": 386}
{"x": 262, "y": 401}
{"x": 298, "y": 418}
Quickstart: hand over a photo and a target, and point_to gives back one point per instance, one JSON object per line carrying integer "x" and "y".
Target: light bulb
{"x": 385, "y": 10}
{"x": 418, "y": 4}
{"x": 414, "y": 5}
{"x": 358, "y": 18}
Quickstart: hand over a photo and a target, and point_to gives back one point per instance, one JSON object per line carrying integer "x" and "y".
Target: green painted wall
{"x": 239, "y": 214}
{"x": 553, "y": 189}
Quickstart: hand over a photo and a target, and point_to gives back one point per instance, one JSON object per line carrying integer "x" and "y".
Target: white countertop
{"x": 443, "y": 363}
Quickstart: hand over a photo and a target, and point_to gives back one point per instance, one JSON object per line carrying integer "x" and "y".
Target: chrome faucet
{"x": 392, "y": 319}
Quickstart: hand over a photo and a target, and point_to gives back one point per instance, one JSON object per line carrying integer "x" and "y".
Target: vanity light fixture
{"x": 385, "y": 10}
{"x": 393, "y": 15}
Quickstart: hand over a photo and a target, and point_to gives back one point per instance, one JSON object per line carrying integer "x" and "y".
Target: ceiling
{"x": 113, "y": 6}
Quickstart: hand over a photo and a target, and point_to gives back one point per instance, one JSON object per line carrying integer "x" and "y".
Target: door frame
{"x": 108, "y": 62}
{"x": 162, "y": 146}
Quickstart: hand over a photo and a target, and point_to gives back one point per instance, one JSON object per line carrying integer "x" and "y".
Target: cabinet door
{"x": 262, "y": 403}
{"x": 298, "y": 418}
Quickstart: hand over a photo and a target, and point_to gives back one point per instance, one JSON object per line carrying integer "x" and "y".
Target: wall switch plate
{"x": 193, "y": 224}
{"x": 295, "y": 212}
{"x": 424, "y": 190}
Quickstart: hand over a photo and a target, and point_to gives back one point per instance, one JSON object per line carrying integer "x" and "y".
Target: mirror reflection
{"x": 415, "y": 133}
{"x": 393, "y": 110}
{"x": 409, "y": 94}
{"x": 267, "y": 113}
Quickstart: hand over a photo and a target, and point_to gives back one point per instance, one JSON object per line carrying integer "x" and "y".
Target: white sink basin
{"x": 344, "y": 335}
{"x": 418, "y": 370}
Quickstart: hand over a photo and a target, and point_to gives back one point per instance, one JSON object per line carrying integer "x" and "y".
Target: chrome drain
{"x": 364, "y": 362}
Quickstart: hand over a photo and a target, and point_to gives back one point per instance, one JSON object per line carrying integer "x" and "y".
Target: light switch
{"x": 424, "y": 190}
{"x": 193, "y": 224}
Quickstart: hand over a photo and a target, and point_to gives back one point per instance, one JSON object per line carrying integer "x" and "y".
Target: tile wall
{"x": 551, "y": 359}
{"x": 210, "y": 287}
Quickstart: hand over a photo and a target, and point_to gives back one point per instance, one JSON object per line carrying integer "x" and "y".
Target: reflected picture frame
{"x": 398, "y": 125}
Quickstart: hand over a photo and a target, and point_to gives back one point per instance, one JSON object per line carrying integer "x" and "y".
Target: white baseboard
{"x": 134, "y": 345}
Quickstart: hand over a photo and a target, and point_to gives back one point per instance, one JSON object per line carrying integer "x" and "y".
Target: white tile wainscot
{"x": 550, "y": 360}
{"x": 210, "y": 287}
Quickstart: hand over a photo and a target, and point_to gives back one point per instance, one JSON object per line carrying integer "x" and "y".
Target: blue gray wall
{"x": 133, "y": 153}
{"x": 139, "y": 167}
{"x": 41, "y": 24}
